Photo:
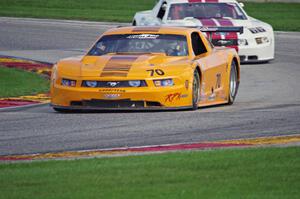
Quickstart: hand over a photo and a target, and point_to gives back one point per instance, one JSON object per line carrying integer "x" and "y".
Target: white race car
{"x": 254, "y": 44}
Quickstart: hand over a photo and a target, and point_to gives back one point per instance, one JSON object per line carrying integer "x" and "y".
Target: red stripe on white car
{"x": 210, "y": 23}
{"x": 217, "y": 22}
{"x": 218, "y": 36}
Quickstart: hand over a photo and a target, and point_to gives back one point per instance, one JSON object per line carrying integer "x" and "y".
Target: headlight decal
{"x": 91, "y": 84}
{"x": 163, "y": 82}
{"x": 134, "y": 83}
{"x": 242, "y": 42}
{"x": 262, "y": 40}
{"x": 68, "y": 82}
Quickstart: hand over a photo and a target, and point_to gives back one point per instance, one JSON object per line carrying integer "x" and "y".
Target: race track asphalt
{"x": 268, "y": 102}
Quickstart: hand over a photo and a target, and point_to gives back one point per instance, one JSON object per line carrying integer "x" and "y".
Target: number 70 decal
{"x": 156, "y": 71}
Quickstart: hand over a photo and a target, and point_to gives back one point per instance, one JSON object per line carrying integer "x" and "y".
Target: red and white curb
{"x": 239, "y": 143}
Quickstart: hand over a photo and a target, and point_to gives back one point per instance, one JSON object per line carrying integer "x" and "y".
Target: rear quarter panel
{"x": 215, "y": 68}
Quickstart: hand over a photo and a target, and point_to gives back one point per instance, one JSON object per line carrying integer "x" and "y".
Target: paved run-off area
{"x": 267, "y": 104}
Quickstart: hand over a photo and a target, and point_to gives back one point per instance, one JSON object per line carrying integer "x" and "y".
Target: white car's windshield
{"x": 180, "y": 11}
{"x": 171, "y": 45}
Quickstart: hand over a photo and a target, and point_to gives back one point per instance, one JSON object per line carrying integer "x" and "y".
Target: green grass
{"x": 283, "y": 16}
{"x": 236, "y": 173}
{"x": 98, "y": 10}
{"x": 14, "y": 82}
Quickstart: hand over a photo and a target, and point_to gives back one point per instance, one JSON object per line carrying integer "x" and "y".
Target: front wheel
{"x": 196, "y": 90}
{"x": 233, "y": 83}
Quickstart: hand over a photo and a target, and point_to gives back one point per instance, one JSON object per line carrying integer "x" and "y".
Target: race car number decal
{"x": 156, "y": 71}
{"x": 218, "y": 82}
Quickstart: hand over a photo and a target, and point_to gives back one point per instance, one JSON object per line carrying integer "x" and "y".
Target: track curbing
{"x": 153, "y": 149}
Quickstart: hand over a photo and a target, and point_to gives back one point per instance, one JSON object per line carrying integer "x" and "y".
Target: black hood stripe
{"x": 119, "y": 65}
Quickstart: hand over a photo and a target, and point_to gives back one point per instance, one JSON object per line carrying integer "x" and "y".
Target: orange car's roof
{"x": 150, "y": 29}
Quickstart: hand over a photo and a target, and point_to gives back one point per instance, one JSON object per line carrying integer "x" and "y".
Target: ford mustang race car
{"x": 255, "y": 44}
{"x": 147, "y": 68}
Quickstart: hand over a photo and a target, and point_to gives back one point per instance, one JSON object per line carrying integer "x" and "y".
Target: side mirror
{"x": 242, "y": 4}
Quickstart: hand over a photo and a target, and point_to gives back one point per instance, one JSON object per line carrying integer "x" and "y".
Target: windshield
{"x": 171, "y": 45}
{"x": 205, "y": 11}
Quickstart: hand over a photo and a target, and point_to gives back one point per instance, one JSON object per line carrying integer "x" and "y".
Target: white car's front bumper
{"x": 254, "y": 52}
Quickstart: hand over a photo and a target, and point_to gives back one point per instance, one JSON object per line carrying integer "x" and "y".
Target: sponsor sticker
{"x": 116, "y": 90}
{"x": 184, "y": 96}
{"x": 172, "y": 97}
{"x": 112, "y": 96}
{"x": 143, "y": 36}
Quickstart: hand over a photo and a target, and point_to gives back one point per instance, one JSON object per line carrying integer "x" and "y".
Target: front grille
{"x": 242, "y": 57}
{"x": 124, "y": 103}
{"x": 253, "y": 57}
{"x": 224, "y": 42}
{"x": 114, "y": 84}
{"x": 153, "y": 104}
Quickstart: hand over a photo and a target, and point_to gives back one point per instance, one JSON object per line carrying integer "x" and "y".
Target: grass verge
{"x": 282, "y": 16}
{"x": 15, "y": 82}
{"x": 99, "y": 10}
{"x": 233, "y": 173}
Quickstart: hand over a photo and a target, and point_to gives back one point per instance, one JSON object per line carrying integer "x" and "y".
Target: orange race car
{"x": 147, "y": 68}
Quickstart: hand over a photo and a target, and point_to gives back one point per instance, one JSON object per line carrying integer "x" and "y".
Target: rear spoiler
{"x": 211, "y": 30}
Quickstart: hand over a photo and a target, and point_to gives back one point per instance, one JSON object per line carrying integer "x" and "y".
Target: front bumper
{"x": 92, "y": 108}
{"x": 253, "y": 52}
{"x": 79, "y": 98}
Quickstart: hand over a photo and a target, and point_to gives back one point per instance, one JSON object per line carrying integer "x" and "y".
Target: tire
{"x": 233, "y": 83}
{"x": 196, "y": 90}
{"x": 134, "y": 23}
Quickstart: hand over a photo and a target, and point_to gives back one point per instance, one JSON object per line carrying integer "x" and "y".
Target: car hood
{"x": 123, "y": 66}
{"x": 249, "y": 23}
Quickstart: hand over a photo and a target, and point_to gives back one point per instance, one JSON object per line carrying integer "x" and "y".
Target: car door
{"x": 213, "y": 65}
